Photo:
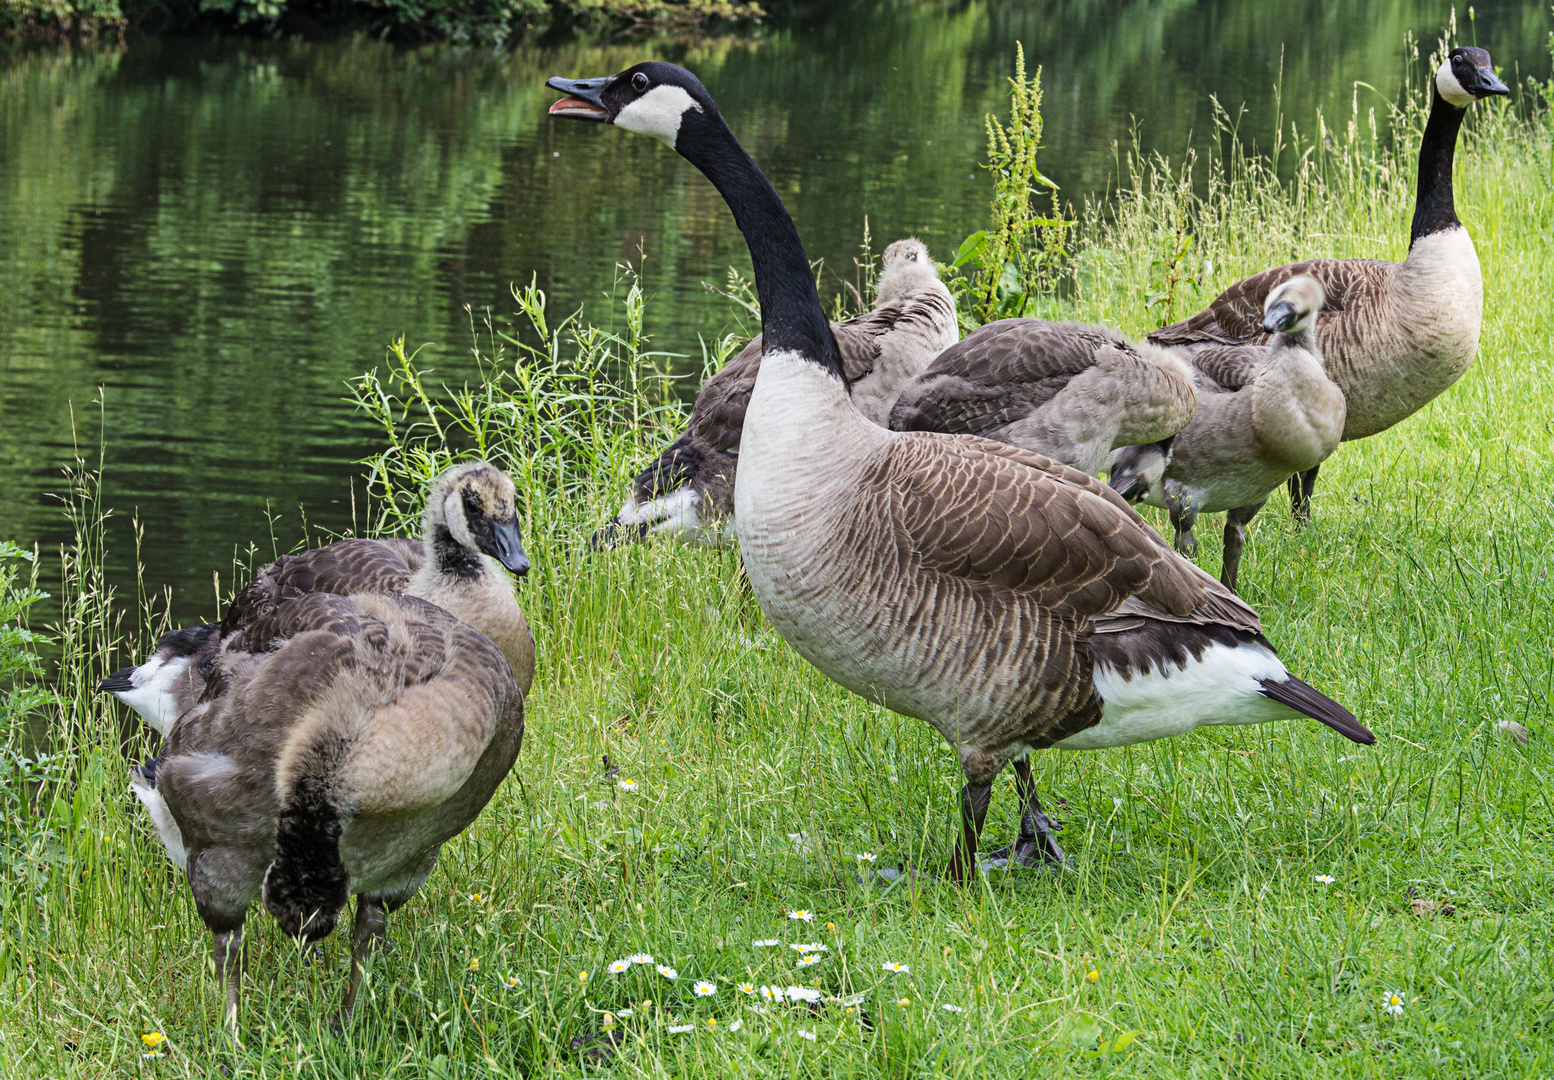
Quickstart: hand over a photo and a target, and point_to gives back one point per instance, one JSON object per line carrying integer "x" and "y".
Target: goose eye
{"x": 639, "y": 82}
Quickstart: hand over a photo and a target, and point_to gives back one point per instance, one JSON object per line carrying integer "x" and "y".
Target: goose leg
{"x": 371, "y": 925}
{"x": 228, "y": 952}
{"x": 1037, "y": 844}
{"x": 1301, "y": 486}
{"x": 974, "y": 800}
{"x": 1235, "y": 539}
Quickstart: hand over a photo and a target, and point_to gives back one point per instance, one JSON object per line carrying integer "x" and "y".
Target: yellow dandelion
{"x": 582, "y": 978}
{"x": 1093, "y": 975}
{"x": 474, "y": 965}
{"x": 153, "y": 1039}
{"x": 904, "y": 1002}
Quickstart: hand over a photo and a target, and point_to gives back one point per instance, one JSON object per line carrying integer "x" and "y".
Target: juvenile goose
{"x": 1008, "y": 600}
{"x": 339, "y": 743}
{"x": 469, "y": 527}
{"x": 1264, "y": 414}
{"x": 688, "y": 490}
{"x": 1067, "y": 390}
{"x": 1393, "y": 335}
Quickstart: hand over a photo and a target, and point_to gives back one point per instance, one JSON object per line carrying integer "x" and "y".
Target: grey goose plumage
{"x": 1008, "y": 600}
{"x": 1393, "y": 336}
{"x": 1070, "y": 391}
{"x": 1265, "y": 413}
{"x": 688, "y": 490}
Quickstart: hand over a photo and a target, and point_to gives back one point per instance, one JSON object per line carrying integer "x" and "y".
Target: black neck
{"x": 791, "y": 315}
{"x": 1434, "y": 210}
{"x": 452, "y": 557}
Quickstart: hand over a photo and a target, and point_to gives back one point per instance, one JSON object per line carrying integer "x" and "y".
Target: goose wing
{"x": 1235, "y": 316}
{"x": 1218, "y": 368}
{"x": 1000, "y": 373}
{"x": 344, "y": 567}
{"x": 1005, "y": 518}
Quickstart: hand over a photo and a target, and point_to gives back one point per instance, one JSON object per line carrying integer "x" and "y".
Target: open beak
{"x": 1489, "y": 85}
{"x": 1278, "y": 318}
{"x": 582, "y": 100}
{"x": 507, "y": 548}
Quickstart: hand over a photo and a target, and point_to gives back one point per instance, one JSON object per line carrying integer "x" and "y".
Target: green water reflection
{"x": 222, "y": 233}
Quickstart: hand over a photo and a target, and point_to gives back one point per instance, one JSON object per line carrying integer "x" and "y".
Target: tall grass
{"x": 1193, "y": 936}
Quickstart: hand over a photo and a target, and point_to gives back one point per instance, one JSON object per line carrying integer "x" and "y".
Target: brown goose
{"x": 688, "y": 490}
{"x": 1265, "y": 413}
{"x": 470, "y": 526}
{"x": 1067, "y": 390}
{"x": 1393, "y": 335}
{"x": 340, "y": 742}
{"x": 1008, "y": 600}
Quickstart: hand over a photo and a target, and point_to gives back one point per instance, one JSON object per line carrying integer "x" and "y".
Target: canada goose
{"x": 1393, "y": 335}
{"x": 1264, "y": 414}
{"x": 1008, "y": 600}
{"x": 688, "y": 490}
{"x": 1067, "y": 390}
{"x": 469, "y": 526}
{"x": 339, "y": 743}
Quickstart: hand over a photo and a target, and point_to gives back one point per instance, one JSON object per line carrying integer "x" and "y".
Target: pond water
{"x": 221, "y": 233}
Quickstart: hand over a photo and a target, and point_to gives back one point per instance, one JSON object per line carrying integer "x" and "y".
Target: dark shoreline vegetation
{"x": 487, "y": 21}
{"x": 1243, "y": 901}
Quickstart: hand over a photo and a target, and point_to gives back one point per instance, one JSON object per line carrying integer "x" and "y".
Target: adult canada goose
{"x": 688, "y": 490}
{"x": 1010, "y": 601}
{"x": 339, "y": 743}
{"x": 1264, "y": 414}
{"x": 1393, "y": 335}
{"x": 1067, "y": 390}
{"x": 469, "y": 527}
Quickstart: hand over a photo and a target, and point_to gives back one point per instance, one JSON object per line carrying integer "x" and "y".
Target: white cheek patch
{"x": 453, "y": 515}
{"x": 658, "y": 113}
{"x": 155, "y": 693}
{"x": 1450, "y": 88}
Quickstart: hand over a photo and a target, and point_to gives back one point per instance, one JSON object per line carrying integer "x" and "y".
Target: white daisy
{"x": 802, "y": 915}
{"x": 626, "y": 785}
{"x": 623, "y": 1013}
{"x": 771, "y": 993}
{"x": 641, "y": 958}
{"x": 766, "y": 943}
{"x": 866, "y": 856}
{"x": 810, "y": 1035}
{"x": 1325, "y": 879}
{"x": 808, "y": 947}
{"x": 947, "y": 1007}
{"x": 899, "y": 969}
{"x": 1392, "y": 1002}
{"x": 618, "y": 966}
{"x": 736, "y": 1025}
{"x": 681, "y": 1029}
{"x": 803, "y": 993}
{"x": 745, "y": 988}
{"x": 703, "y": 988}
{"x": 667, "y": 972}
{"x": 810, "y": 960}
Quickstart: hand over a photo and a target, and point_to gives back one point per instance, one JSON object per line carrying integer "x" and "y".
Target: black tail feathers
{"x": 1304, "y": 698}
{"x": 307, "y": 886}
{"x": 118, "y": 682}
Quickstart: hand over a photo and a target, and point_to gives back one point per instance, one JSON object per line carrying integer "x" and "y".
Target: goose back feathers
{"x": 1067, "y": 390}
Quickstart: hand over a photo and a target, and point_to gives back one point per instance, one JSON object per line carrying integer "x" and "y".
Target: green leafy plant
{"x": 1018, "y": 258}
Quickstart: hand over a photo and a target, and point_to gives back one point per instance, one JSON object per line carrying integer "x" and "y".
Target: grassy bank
{"x": 1197, "y": 933}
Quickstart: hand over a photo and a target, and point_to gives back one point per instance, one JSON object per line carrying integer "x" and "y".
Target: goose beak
{"x": 507, "y": 548}
{"x": 1279, "y": 317}
{"x": 582, "y": 100}
{"x": 1131, "y": 486}
{"x": 1488, "y": 84}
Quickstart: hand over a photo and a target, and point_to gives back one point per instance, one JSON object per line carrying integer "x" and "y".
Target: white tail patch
{"x": 1222, "y": 688}
{"x": 166, "y": 827}
{"x": 154, "y": 696}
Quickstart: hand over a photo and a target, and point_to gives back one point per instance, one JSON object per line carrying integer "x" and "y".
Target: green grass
{"x": 1190, "y": 937}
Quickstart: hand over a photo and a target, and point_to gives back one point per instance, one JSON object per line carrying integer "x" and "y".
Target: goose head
{"x": 905, "y": 266}
{"x": 472, "y": 511}
{"x": 653, "y": 98}
{"x": 1292, "y": 306}
{"x": 1466, "y": 76}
